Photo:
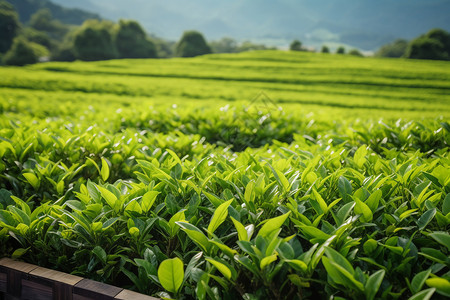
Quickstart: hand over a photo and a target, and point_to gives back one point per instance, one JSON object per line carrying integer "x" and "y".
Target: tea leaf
{"x": 219, "y": 216}
{"x": 32, "y": 179}
{"x": 171, "y": 274}
{"x": 273, "y": 225}
{"x": 221, "y": 267}
{"x": 373, "y": 284}
{"x": 104, "y": 170}
{"x": 419, "y": 280}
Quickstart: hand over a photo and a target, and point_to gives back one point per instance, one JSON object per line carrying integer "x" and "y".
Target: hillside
{"x": 361, "y": 23}
{"x": 26, "y": 8}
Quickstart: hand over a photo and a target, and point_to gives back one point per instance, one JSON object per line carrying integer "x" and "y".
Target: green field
{"x": 261, "y": 174}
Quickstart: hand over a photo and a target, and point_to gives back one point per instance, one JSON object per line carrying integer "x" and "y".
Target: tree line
{"x": 43, "y": 37}
{"x": 435, "y": 44}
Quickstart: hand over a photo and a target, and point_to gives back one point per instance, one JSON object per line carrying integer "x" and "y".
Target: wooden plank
{"x": 36, "y": 291}
{"x": 14, "y": 282}
{"x": 17, "y": 265}
{"x": 95, "y": 290}
{"x": 130, "y": 295}
{"x": 3, "y": 280}
{"x": 56, "y": 276}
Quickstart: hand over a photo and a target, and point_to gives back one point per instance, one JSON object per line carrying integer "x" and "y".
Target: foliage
{"x": 433, "y": 45}
{"x": 21, "y": 53}
{"x": 340, "y": 50}
{"x": 296, "y": 45}
{"x": 395, "y": 49}
{"x": 103, "y": 176}
{"x": 224, "y": 45}
{"x": 39, "y": 37}
{"x": 43, "y": 21}
{"x": 65, "y": 15}
{"x": 9, "y": 26}
{"x": 355, "y": 52}
{"x": 325, "y": 49}
{"x": 131, "y": 41}
{"x": 192, "y": 43}
{"x": 94, "y": 41}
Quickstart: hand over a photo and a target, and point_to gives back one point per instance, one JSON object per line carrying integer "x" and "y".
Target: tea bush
{"x": 178, "y": 192}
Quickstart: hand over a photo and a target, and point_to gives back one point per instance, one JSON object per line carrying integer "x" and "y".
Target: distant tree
{"x": 296, "y": 45}
{"x": 435, "y": 44}
{"x": 65, "y": 51}
{"x": 20, "y": 54}
{"x": 224, "y": 45}
{"x": 94, "y": 41}
{"x": 164, "y": 48}
{"x": 325, "y": 49}
{"x": 426, "y": 48}
{"x": 441, "y": 36}
{"x": 9, "y": 25}
{"x": 340, "y": 50}
{"x": 355, "y": 52}
{"x": 43, "y": 20}
{"x": 38, "y": 37}
{"x": 131, "y": 41}
{"x": 395, "y": 49}
{"x": 192, "y": 43}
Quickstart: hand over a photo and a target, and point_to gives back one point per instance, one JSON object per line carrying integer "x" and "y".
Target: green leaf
{"x": 373, "y": 284}
{"x": 110, "y": 198}
{"x": 374, "y": 200}
{"x": 340, "y": 275}
{"x": 19, "y": 252}
{"x": 314, "y": 233}
{"x": 219, "y": 216}
{"x": 171, "y": 274}
{"x": 195, "y": 235}
{"x": 359, "y": 157}
{"x": 322, "y": 204}
{"x": 249, "y": 196}
{"x": 100, "y": 253}
{"x": 419, "y": 280}
{"x": 369, "y": 246}
{"x": 273, "y": 225}
{"x": 339, "y": 259}
{"x": 221, "y": 267}
{"x": 442, "y": 238}
{"x": 267, "y": 261}
{"x": 104, "y": 172}
{"x": 362, "y": 209}
{"x": 280, "y": 178}
{"x": 174, "y": 228}
{"x": 242, "y": 233}
{"x": 345, "y": 188}
{"x": 426, "y": 218}
{"x": 148, "y": 199}
{"x": 297, "y": 264}
{"x": 224, "y": 248}
{"x": 423, "y": 295}
{"x": 442, "y": 285}
{"x": 446, "y": 205}
{"x": 32, "y": 179}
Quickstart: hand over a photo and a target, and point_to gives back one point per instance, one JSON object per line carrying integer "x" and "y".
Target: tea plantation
{"x": 260, "y": 175}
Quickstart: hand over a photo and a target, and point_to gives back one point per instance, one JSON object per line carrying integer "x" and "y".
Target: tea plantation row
{"x": 138, "y": 174}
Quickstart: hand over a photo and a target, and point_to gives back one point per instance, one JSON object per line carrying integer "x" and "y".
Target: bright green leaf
{"x": 171, "y": 274}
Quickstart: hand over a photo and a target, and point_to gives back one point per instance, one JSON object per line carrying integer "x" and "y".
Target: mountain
{"x": 366, "y": 24}
{"x": 26, "y": 8}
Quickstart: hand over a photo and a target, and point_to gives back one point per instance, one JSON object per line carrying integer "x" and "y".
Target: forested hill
{"x": 366, "y": 24}
{"x": 26, "y": 8}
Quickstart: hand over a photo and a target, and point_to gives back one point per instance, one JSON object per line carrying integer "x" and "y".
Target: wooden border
{"x": 19, "y": 280}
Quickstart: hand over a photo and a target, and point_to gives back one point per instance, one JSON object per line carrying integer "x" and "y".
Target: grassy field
{"x": 267, "y": 174}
